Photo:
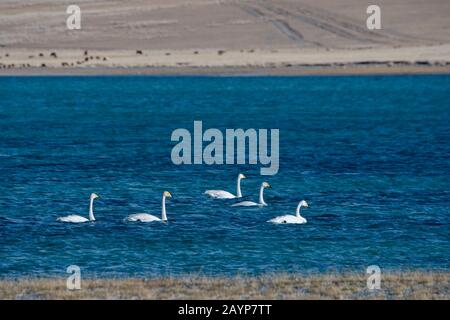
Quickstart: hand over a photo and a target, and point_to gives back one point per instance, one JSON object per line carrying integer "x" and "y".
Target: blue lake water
{"x": 370, "y": 154}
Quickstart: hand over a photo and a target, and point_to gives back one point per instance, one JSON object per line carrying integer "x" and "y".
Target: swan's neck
{"x": 91, "y": 210}
{"x": 297, "y": 213}
{"x": 163, "y": 210}
{"x": 261, "y": 196}
{"x": 238, "y": 188}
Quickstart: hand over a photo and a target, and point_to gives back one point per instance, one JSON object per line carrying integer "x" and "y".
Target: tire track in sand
{"x": 280, "y": 24}
{"x": 336, "y": 24}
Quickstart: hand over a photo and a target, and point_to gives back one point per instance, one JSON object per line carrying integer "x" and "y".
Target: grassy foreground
{"x": 405, "y": 285}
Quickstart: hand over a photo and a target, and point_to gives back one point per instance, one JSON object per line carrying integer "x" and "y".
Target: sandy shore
{"x": 407, "y": 285}
{"x": 208, "y": 61}
{"x": 224, "y": 37}
{"x": 230, "y": 71}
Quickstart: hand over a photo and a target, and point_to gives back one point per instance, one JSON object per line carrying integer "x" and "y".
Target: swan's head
{"x": 303, "y": 203}
{"x": 241, "y": 176}
{"x": 266, "y": 185}
{"x": 167, "y": 194}
{"x": 94, "y": 196}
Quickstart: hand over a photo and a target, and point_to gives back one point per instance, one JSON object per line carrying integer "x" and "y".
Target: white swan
{"x": 222, "y": 194}
{"x": 73, "y": 218}
{"x": 145, "y": 217}
{"x": 290, "y": 218}
{"x": 251, "y": 203}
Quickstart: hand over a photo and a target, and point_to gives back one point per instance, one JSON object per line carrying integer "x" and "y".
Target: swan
{"x": 251, "y": 203}
{"x": 73, "y": 218}
{"x": 222, "y": 194}
{"x": 145, "y": 217}
{"x": 290, "y": 218}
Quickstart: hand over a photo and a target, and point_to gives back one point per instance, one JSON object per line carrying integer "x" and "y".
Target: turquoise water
{"x": 371, "y": 155}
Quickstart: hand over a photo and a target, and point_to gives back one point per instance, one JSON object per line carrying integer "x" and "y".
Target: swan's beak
{"x": 269, "y": 186}
{"x": 169, "y": 195}
{"x": 244, "y": 177}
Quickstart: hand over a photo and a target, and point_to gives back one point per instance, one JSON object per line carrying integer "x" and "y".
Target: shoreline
{"x": 394, "y": 285}
{"x": 347, "y": 70}
{"x": 363, "y": 61}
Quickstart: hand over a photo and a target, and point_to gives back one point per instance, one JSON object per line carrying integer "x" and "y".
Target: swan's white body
{"x": 222, "y": 194}
{"x": 145, "y": 217}
{"x": 297, "y": 219}
{"x": 73, "y": 218}
{"x": 261, "y": 202}
{"x": 288, "y": 219}
{"x": 247, "y": 204}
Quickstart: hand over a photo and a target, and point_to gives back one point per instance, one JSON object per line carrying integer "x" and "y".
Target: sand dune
{"x": 207, "y": 33}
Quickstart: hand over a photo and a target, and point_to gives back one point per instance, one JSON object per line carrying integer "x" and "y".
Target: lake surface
{"x": 370, "y": 154}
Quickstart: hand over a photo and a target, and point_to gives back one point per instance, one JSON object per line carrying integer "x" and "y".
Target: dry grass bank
{"x": 408, "y": 285}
